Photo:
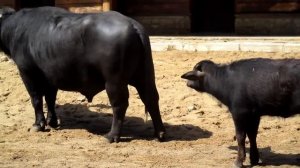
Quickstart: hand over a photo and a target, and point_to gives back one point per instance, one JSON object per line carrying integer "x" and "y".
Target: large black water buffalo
{"x": 250, "y": 89}
{"x": 55, "y": 49}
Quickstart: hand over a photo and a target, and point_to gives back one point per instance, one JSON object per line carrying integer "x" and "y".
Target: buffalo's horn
{"x": 200, "y": 73}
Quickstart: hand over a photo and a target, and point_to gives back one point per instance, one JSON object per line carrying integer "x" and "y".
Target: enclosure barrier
{"x": 205, "y": 44}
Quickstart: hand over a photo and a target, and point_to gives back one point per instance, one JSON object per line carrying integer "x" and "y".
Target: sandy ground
{"x": 200, "y": 129}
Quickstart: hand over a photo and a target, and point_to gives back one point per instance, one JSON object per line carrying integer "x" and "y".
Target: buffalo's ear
{"x": 193, "y": 75}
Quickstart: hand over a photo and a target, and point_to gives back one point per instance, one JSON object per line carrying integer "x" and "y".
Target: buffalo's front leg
{"x": 240, "y": 137}
{"x": 252, "y": 133}
{"x": 118, "y": 97}
{"x": 240, "y": 121}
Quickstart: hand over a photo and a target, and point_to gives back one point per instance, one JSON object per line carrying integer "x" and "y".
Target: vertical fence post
{"x": 106, "y": 5}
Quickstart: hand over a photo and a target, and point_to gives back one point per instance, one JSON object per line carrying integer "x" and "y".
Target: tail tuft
{"x": 146, "y": 115}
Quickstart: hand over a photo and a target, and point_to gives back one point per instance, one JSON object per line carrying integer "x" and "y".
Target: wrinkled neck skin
{"x": 217, "y": 83}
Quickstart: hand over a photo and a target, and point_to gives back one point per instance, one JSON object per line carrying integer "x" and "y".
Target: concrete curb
{"x": 205, "y": 44}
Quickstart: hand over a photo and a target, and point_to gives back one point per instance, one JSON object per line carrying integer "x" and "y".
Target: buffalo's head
{"x": 196, "y": 77}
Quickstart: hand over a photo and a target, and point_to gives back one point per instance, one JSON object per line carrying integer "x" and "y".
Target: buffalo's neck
{"x": 218, "y": 85}
{"x": 4, "y": 48}
{"x": 5, "y": 37}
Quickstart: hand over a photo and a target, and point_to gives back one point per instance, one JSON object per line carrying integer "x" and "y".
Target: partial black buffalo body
{"x": 250, "y": 88}
{"x": 55, "y": 49}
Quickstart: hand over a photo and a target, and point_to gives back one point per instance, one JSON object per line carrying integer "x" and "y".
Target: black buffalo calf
{"x": 250, "y": 89}
{"x": 55, "y": 49}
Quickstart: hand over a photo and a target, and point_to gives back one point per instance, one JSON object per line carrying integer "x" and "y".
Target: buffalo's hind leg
{"x": 118, "y": 96}
{"x": 149, "y": 95}
{"x": 33, "y": 82}
{"x": 37, "y": 103}
{"x": 50, "y": 97}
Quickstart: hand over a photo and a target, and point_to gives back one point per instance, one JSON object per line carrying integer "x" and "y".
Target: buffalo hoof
{"x": 161, "y": 136}
{"x": 37, "y": 127}
{"x": 112, "y": 138}
{"x": 254, "y": 162}
{"x": 53, "y": 123}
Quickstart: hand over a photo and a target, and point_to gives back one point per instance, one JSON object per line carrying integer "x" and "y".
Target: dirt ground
{"x": 199, "y": 129}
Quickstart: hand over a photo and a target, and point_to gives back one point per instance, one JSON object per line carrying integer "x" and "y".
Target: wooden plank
{"x": 156, "y": 1}
{"x": 162, "y": 8}
{"x": 58, "y": 2}
{"x": 106, "y": 4}
{"x": 267, "y": 6}
{"x": 7, "y": 3}
{"x": 159, "y": 10}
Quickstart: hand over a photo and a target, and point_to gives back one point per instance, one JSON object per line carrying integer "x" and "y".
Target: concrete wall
{"x": 232, "y": 44}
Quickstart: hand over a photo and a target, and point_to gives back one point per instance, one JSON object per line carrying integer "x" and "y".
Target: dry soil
{"x": 199, "y": 129}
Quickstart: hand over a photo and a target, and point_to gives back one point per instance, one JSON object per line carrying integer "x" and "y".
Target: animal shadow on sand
{"x": 78, "y": 116}
{"x": 271, "y": 158}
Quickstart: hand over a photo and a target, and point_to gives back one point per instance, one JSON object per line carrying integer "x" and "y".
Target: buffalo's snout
{"x": 190, "y": 83}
